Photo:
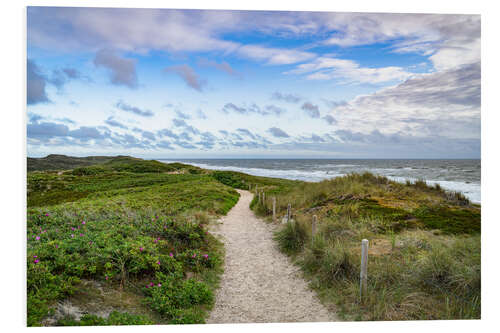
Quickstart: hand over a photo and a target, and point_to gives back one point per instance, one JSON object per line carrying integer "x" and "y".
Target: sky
{"x": 160, "y": 83}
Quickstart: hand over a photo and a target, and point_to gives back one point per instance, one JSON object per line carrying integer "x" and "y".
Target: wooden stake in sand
{"x": 274, "y": 208}
{"x": 313, "y": 228}
{"x": 289, "y": 212}
{"x": 364, "y": 269}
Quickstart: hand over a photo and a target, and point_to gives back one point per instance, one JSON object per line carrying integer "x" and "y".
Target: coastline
{"x": 472, "y": 190}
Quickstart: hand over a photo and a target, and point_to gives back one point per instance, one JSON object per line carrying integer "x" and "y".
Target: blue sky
{"x": 182, "y": 83}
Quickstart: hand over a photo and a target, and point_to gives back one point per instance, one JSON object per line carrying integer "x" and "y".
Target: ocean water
{"x": 454, "y": 175}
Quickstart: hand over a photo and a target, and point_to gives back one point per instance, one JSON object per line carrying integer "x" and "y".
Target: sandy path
{"x": 259, "y": 283}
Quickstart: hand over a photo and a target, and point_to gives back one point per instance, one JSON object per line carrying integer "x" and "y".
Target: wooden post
{"x": 364, "y": 268}
{"x": 274, "y": 208}
{"x": 289, "y": 212}
{"x": 313, "y": 228}
{"x": 259, "y": 197}
{"x": 264, "y": 198}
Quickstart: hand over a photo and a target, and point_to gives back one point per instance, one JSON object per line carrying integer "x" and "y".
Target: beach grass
{"x": 424, "y": 254}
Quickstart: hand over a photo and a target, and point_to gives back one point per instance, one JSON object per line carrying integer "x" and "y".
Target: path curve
{"x": 259, "y": 283}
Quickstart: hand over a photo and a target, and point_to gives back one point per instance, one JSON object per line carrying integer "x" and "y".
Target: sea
{"x": 462, "y": 175}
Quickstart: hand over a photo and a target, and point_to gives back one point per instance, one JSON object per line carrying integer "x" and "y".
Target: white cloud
{"x": 447, "y": 103}
{"x": 347, "y": 71}
{"x": 274, "y": 56}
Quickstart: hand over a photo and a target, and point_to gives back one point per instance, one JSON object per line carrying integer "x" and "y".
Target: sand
{"x": 260, "y": 284}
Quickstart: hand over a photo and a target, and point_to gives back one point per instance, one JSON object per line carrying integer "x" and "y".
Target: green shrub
{"x": 230, "y": 178}
{"x": 173, "y": 298}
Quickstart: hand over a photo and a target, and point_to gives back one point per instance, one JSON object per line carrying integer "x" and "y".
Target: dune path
{"x": 259, "y": 283}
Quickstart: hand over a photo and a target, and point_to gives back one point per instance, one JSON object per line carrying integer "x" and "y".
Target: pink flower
{"x": 151, "y": 284}
{"x": 73, "y": 229}
{"x": 194, "y": 255}
{"x": 81, "y": 235}
{"x": 141, "y": 249}
{"x": 147, "y": 286}
{"x": 206, "y": 256}
{"x": 83, "y": 222}
{"x": 72, "y": 236}
{"x": 90, "y": 243}
{"x": 106, "y": 277}
{"x": 46, "y": 214}
{"x": 35, "y": 256}
{"x": 159, "y": 284}
{"x": 156, "y": 241}
{"x": 158, "y": 262}
{"x": 171, "y": 254}
{"x": 57, "y": 246}
{"x": 37, "y": 261}
{"x": 37, "y": 238}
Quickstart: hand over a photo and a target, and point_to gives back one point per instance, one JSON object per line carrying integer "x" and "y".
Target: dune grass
{"x": 424, "y": 255}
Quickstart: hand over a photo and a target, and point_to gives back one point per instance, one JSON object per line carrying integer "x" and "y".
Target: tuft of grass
{"x": 292, "y": 237}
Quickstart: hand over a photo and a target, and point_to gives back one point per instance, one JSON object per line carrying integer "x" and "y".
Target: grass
{"x": 128, "y": 227}
{"x": 130, "y": 236}
{"x": 424, "y": 255}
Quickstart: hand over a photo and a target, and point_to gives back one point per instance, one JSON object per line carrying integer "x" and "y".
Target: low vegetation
{"x": 123, "y": 241}
{"x": 128, "y": 230}
{"x": 424, "y": 256}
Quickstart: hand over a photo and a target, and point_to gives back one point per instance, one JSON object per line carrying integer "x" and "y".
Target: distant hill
{"x": 63, "y": 162}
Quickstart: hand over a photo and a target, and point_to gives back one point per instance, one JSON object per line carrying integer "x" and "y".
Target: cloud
{"x": 86, "y": 133}
{"x": 148, "y": 135}
{"x": 185, "y": 145}
{"x": 122, "y": 70}
{"x": 133, "y": 109}
{"x": 311, "y": 109}
{"x": 200, "y": 114}
{"x": 182, "y": 123}
{"x": 164, "y": 144}
{"x": 447, "y": 103}
{"x": 182, "y": 115}
{"x": 348, "y": 71}
{"x": 330, "y": 120}
{"x": 253, "y": 108}
{"x": 35, "y": 84}
{"x": 274, "y": 56}
{"x": 168, "y": 133}
{"x": 46, "y": 130}
{"x": 278, "y": 133}
{"x": 34, "y": 117}
{"x": 223, "y": 66}
{"x": 112, "y": 122}
{"x": 290, "y": 98}
{"x": 334, "y": 104}
{"x": 246, "y": 132}
{"x": 451, "y": 40}
{"x": 188, "y": 75}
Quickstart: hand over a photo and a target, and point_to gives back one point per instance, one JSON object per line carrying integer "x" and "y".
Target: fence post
{"x": 364, "y": 269}
{"x": 313, "y": 228}
{"x": 289, "y": 212}
{"x": 274, "y": 208}
{"x": 259, "y": 197}
{"x": 264, "y": 198}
